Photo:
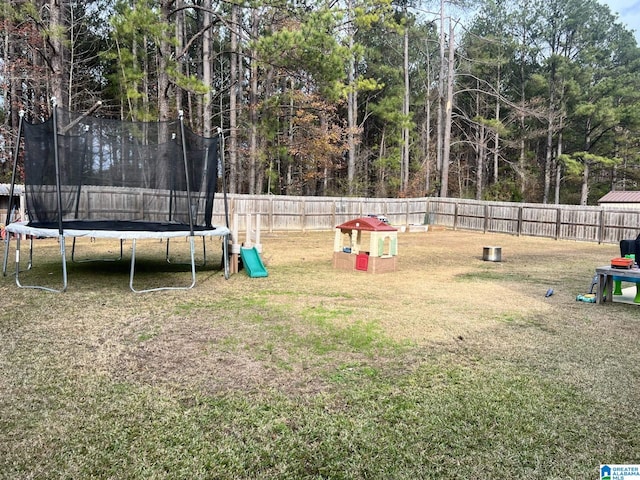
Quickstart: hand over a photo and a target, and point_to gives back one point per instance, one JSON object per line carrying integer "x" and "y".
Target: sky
{"x": 628, "y": 13}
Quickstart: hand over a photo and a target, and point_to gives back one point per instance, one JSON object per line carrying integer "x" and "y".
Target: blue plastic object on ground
{"x": 588, "y": 297}
{"x": 252, "y": 262}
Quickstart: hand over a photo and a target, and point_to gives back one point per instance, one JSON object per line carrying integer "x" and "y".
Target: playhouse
{"x": 348, "y": 251}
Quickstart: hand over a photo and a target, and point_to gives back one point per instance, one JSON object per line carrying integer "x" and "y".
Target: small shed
{"x": 14, "y": 206}
{"x": 348, "y": 250}
{"x": 621, "y": 199}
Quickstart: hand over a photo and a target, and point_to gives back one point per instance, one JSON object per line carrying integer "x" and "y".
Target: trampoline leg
{"x": 204, "y": 251}
{"x": 133, "y": 266}
{"x": 225, "y": 256}
{"x": 41, "y": 287}
{"x": 63, "y": 254}
{"x": 5, "y": 261}
{"x": 192, "y": 241}
{"x": 31, "y": 254}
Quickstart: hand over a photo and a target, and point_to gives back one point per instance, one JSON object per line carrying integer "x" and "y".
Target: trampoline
{"x": 89, "y": 177}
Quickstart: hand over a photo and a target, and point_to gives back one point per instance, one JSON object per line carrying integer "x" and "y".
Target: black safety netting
{"x": 108, "y": 171}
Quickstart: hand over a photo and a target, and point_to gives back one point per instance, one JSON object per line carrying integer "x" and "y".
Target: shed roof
{"x": 367, "y": 223}
{"x": 5, "y": 188}
{"x": 621, "y": 196}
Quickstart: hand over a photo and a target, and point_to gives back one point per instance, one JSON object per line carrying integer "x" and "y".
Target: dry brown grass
{"x": 449, "y": 367}
{"x": 237, "y": 334}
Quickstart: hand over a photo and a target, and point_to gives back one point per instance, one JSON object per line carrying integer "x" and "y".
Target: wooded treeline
{"x": 521, "y": 100}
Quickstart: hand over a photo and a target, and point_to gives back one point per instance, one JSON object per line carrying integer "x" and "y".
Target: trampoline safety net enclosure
{"x": 90, "y": 176}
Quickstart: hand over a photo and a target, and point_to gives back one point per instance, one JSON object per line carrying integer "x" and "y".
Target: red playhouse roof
{"x": 369, "y": 224}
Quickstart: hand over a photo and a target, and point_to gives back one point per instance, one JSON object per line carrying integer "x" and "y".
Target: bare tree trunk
{"x": 427, "y": 128}
{"x": 548, "y": 159}
{"x": 290, "y": 139}
{"x": 426, "y": 135}
{"x": 164, "y": 47}
{"x": 267, "y": 84}
{"x": 480, "y": 145}
{"x": 381, "y": 188}
{"x": 584, "y": 192}
{"x": 180, "y": 47}
{"x": 71, "y": 54}
{"x": 56, "y": 54}
{"x": 446, "y": 147}
{"x": 441, "y": 96}
{"x": 11, "y": 101}
{"x": 233, "y": 99}
{"x": 481, "y": 154}
{"x": 352, "y": 107}
{"x": 521, "y": 170}
{"x": 253, "y": 106}
{"x": 522, "y": 157}
{"x": 8, "y": 84}
{"x": 404, "y": 173}
{"x": 462, "y": 171}
{"x": 558, "y": 170}
{"x": 496, "y": 150}
{"x": 145, "y": 82}
{"x": 207, "y": 114}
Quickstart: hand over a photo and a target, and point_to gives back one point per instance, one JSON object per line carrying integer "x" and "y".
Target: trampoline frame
{"x": 22, "y": 228}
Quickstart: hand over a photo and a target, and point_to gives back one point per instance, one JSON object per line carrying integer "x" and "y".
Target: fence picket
{"x": 297, "y": 213}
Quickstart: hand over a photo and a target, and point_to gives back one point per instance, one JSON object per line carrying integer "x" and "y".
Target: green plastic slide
{"x": 252, "y": 262}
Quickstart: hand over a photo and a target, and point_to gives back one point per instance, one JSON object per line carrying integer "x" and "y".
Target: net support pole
{"x": 7, "y": 237}
{"x": 186, "y": 171}
{"x": 224, "y": 178}
{"x": 226, "y": 240}
{"x": 56, "y": 160}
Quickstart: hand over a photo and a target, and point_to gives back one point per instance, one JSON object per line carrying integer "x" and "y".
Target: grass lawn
{"x": 450, "y": 367}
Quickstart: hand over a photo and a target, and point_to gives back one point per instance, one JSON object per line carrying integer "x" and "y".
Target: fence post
{"x": 427, "y": 217}
{"x": 486, "y": 218}
{"x": 303, "y": 219}
{"x": 455, "y": 215}
{"x": 333, "y": 213}
{"x": 270, "y": 213}
{"x": 519, "y": 226}
{"x": 602, "y": 227}
{"x": 558, "y": 222}
{"x": 407, "y": 216}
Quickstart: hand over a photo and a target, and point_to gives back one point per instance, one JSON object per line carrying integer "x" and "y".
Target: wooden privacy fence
{"x": 282, "y": 213}
{"x": 569, "y": 222}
